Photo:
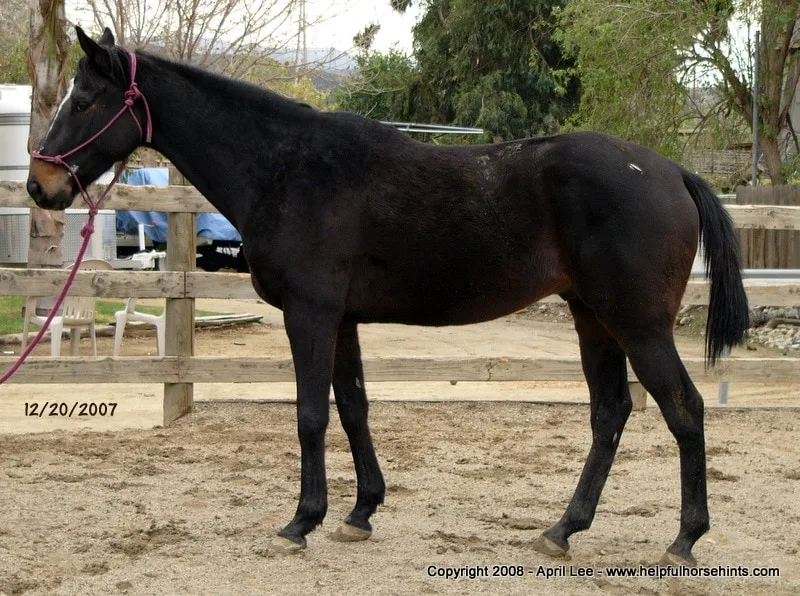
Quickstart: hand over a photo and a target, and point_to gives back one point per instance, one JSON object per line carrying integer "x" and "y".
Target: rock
{"x": 778, "y": 335}
{"x": 758, "y": 317}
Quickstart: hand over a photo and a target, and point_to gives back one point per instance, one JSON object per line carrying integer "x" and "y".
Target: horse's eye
{"x": 80, "y": 106}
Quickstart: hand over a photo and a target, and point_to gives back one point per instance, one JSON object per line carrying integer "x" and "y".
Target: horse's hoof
{"x": 284, "y": 546}
{"x": 348, "y": 533}
{"x": 672, "y": 560}
{"x": 547, "y": 547}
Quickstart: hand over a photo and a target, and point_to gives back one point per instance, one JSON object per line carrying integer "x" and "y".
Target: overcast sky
{"x": 335, "y": 22}
{"x": 332, "y": 23}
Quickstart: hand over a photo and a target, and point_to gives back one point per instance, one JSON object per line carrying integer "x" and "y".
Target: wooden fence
{"x": 768, "y": 248}
{"x": 180, "y": 285}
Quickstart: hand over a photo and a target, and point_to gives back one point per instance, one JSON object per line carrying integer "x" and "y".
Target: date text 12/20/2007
{"x": 69, "y": 410}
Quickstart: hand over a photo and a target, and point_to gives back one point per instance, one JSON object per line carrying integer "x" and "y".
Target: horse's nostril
{"x": 34, "y": 189}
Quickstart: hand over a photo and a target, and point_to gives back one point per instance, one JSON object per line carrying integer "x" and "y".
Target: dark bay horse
{"x": 347, "y": 221}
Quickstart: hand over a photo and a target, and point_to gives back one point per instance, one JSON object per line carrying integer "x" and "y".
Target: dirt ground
{"x": 109, "y": 505}
{"x": 190, "y": 509}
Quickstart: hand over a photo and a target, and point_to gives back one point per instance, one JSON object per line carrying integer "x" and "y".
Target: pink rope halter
{"x": 131, "y": 95}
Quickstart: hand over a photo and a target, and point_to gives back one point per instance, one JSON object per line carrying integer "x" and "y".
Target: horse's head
{"x": 96, "y": 97}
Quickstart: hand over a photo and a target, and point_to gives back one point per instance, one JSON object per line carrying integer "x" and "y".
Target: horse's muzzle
{"x": 50, "y": 186}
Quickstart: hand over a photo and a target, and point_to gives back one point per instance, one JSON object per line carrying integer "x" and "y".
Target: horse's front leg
{"x": 312, "y": 334}
{"x": 351, "y": 401}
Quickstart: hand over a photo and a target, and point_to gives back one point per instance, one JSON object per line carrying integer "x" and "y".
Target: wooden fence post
{"x": 638, "y": 395}
{"x": 181, "y": 234}
{"x": 181, "y": 256}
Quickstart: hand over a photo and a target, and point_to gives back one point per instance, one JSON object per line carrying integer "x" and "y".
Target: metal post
{"x": 723, "y": 387}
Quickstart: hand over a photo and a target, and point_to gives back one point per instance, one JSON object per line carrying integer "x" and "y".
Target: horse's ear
{"x": 107, "y": 39}
{"x": 88, "y": 45}
{"x": 98, "y": 56}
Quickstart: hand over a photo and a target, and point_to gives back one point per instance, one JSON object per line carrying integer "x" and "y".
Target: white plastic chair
{"x": 77, "y": 313}
{"x": 129, "y": 314}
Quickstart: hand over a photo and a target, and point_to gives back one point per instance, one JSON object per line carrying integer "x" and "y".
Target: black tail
{"x": 728, "y": 316}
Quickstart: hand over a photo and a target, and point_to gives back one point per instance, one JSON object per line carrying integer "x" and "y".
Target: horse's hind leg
{"x": 604, "y": 367}
{"x": 655, "y": 361}
{"x": 351, "y": 402}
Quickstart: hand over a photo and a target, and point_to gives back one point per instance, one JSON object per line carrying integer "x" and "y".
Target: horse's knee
{"x": 312, "y": 425}
{"x": 353, "y": 416}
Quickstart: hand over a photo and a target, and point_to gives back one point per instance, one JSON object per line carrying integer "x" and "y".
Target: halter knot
{"x": 132, "y": 94}
{"x": 88, "y": 227}
{"x": 134, "y": 90}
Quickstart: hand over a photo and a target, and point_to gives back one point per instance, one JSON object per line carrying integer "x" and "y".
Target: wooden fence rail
{"x": 219, "y": 369}
{"x": 180, "y": 286}
{"x": 237, "y": 286}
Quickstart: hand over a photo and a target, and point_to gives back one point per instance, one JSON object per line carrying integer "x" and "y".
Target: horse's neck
{"x": 208, "y": 138}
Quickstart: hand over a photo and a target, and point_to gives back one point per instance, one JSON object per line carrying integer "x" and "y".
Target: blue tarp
{"x": 209, "y": 225}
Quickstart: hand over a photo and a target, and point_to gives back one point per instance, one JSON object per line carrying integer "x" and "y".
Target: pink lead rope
{"x": 131, "y": 95}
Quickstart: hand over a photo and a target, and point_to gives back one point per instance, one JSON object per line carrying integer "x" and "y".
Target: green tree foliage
{"x": 626, "y": 57}
{"x": 14, "y": 42}
{"x": 487, "y": 64}
{"x": 14, "y": 57}
{"x": 14, "y": 62}
{"x": 491, "y": 65}
{"x": 381, "y": 88}
{"x": 639, "y": 61}
{"x": 286, "y": 80}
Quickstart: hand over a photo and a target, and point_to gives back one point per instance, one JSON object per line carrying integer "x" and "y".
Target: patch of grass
{"x": 11, "y": 312}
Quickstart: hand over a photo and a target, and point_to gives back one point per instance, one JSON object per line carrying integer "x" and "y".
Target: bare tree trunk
{"x": 47, "y": 58}
{"x": 777, "y": 28}
{"x": 772, "y": 155}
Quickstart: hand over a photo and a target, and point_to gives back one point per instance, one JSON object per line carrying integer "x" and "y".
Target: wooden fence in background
{"x": 769, "y": 248}
{"x": 180, "y": 285}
